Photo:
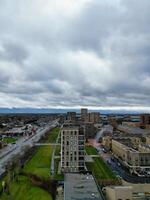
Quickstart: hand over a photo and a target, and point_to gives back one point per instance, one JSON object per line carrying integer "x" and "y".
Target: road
{"x": 11, "y": 151}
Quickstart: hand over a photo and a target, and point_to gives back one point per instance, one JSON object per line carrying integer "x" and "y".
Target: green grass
{"x": 24, "y": 190}
{"x": 40, "y": 162}
{"x": 57, "y": 151}
{"x": 56, "y": 175}
{"x": 39, "y": 165}
{"x": 9, "y": 139}
{"x": 52, "y": 135}
{"x": 91, "y": 150}
{"x": 100, "y": 170}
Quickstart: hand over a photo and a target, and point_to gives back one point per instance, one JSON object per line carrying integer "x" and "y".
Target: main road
{"x": 11, "y": 151}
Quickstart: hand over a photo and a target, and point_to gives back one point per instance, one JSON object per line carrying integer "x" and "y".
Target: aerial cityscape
{"x": 75, "y": 100}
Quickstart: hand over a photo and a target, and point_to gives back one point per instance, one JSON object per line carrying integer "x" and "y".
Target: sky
{"x": 74, "y": 53}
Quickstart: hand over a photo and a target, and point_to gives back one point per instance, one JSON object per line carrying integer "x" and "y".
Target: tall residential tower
{"x": 72, "y": 148}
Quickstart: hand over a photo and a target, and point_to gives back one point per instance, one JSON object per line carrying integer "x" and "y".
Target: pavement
{"x": 11, "y": 151}
{"x": 52, "y": 167}
{"x": 47, "y": 144}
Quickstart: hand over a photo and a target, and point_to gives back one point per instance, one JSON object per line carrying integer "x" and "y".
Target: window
{"x": 75, "y": 132}
{"x": 81, "y": 158}
{"x": 81, "y": 152}
{"x": 81, "y": 142}
{"x": 81, "y": 147}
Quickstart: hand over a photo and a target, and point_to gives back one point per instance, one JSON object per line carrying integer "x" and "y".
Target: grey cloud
{"x": 97, "y": 57}
{"x": 13, "y": 52}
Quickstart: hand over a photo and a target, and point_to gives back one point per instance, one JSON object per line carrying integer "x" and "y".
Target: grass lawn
{"x": 40, "y": 162}
{"x": 9, "y": 139}
{"x": 90, "y": 150}
{"x": 39, "y": 165}
{"x": 24, "y": 190}
{"x": 56, "y": 175}
{"x": 100, "y": 170}
{"x": 57, "y": 151}
{"x": 52, "y": 135}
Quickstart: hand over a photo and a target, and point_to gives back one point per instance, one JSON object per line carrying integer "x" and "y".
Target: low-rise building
{"x": 106, "y": 142}
{"x": 148, "y": 140}
{"x": 81, "y": 186}
{"x": 132, "y": 158}
{"x": 128, "y": 192}
{"x": 119, "y": 193}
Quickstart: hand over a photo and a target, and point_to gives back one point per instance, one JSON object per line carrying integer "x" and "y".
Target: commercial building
{"x": 72, "y": 148}
{"x": 79, "y": 186}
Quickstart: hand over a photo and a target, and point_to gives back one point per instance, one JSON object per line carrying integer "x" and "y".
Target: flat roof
{"x": 80, "y": 186}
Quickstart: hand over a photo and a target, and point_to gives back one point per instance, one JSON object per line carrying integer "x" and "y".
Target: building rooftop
{"x": 120, "y": 187}
{"x": 133, "y": 130}
{"x": 80, "y": 186}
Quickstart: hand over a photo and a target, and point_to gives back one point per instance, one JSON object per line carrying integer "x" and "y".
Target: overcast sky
{"x": 72, "y": 53}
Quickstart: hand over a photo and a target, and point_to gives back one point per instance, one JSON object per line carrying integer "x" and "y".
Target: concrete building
{"x": 144, "y": 148}
{"x": 145, "y": 120}
{"x": 128, "y": 192}
{"x": 106, "y": 142}
{"x": 84, "y": 114}
{"x": 134, "y": 124}
{"x": 148, "y": 140}
{"x": 72, "y": 148}
{"x": 79, "y": 186}
{"x": 94, "y": 117}
{"x": 135, "y": 142}
{"x": 71, "y": 116}
{"x": 135, "y": 160}
{"x": 119, "y": 193}
{"x": 91, "y": 117}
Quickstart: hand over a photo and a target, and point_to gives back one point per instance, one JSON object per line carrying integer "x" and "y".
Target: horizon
{"x": 108, "y": 110}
